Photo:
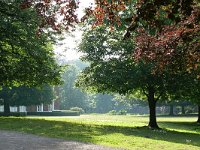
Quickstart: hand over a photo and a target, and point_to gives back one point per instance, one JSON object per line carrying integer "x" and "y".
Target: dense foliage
{"x": 26, "y": 58}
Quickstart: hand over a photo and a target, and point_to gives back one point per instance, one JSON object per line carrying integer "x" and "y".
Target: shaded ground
{"x": 21, "y": 141}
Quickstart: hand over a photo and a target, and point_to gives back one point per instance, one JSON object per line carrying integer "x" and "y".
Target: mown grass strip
{"x": 113, "y": 134}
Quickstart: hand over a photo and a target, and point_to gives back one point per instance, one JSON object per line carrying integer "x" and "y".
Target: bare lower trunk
{"x": 6, "y": 107}
{"x": 198, "y": 114}
{"x": 183, "y": 110}
{"x": 171, "y": 111}
{"x": 152, "y": 110}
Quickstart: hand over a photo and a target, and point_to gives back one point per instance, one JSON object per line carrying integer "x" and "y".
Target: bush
{"x": 80, "y": 110}
{"x": 122, "y": 112}
{"x": 55, "y": 113}
{"x": 16, "y": 114}
{"x": 112, "y": 112}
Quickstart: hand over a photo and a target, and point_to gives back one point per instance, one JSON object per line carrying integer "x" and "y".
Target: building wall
{"x": 35, "y": 108}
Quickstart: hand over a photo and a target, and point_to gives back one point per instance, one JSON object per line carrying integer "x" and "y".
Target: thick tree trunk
{"x": 198, "y": 114}
{"x": 171, "y": 110}
{"x": 182, "y": 110}
{"x": 6, "y": 107}
{"x": 152, "y": 110}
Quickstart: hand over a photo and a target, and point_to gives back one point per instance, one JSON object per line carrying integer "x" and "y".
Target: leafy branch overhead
{"x": 25, "y": 57}
{"x": 171, "y": 28}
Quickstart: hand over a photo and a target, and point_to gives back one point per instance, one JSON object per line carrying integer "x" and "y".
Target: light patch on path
{"x": 10, "y": 140}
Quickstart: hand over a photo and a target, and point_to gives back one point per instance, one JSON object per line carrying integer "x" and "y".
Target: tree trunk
{"x": 6, "y": 107}
{"x": 198, "y": 114}
{"x": 182, "y": 110}
{"x": 171, "y": 110}
{"x": 152, "y": 110}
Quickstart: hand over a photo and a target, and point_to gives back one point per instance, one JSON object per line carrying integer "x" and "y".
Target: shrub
{"x": 16, "y": 114}
{"x": 112, "y": 112}
{"x": 80, "y": 110}
{"x": 122, "y": 112}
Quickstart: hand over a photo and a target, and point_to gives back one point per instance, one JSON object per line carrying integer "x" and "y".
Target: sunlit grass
{"x": 115, "y": 131}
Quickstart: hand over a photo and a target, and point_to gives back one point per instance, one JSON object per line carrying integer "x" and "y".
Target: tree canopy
{"x": 26, "y": 58}
{"x": 155, "y": 22}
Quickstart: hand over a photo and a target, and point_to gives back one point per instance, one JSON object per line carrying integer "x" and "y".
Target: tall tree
{"x": 27, "y": 58}
{"x": 113, "y": 69}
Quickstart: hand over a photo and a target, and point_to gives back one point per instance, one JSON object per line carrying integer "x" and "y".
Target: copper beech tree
{"x": 56, "y": 14}
{"x": 175, "y": 47}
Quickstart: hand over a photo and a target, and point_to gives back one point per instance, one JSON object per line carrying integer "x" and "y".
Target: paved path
{"x": 21, "y": 141}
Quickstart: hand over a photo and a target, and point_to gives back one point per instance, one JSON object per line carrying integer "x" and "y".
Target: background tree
{"x": 132, "y": 101}
{"x": 191, "y": 92}
{"x": 104, "y": 103}
{"x": 70, "y": 95}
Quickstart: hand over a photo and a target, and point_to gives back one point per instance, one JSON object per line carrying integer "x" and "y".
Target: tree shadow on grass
{"x": 162, "y": 134}
{"x": 193, "y": 127}
{"x": 87, "y": 133}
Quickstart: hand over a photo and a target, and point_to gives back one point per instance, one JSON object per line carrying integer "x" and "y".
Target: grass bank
{"x": 129, "y": 132}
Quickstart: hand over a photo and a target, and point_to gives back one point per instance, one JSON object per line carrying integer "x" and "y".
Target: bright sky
{"x": 67, "y": 49}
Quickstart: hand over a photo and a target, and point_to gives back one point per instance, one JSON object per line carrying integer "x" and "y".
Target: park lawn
{"x": 128, "y": 132}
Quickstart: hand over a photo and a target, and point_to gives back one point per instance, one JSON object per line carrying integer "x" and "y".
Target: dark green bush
{"x": 55, "y": 113}
{"x": 16, "y": 114}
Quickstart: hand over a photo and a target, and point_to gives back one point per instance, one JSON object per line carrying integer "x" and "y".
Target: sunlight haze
{"x": 67, "y": 48}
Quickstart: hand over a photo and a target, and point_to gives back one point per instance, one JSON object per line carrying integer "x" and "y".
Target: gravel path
{"x": 22, "y": 141}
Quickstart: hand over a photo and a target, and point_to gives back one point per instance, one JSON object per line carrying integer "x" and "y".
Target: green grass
{"x": 129, "y": 132}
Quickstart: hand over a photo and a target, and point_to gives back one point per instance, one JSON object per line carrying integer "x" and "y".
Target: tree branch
{"x": 143, "y": 90}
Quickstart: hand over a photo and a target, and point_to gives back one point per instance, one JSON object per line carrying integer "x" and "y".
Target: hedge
{"x": 54, "y": 113}
{"x": 16, "y": 114}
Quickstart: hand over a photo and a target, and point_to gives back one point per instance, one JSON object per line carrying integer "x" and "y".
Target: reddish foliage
{"x": 56, "y": 14}
{"x": 175, "y": 46}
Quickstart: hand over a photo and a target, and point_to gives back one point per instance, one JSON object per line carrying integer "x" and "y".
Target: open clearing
{"x": 129, "y": 132}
